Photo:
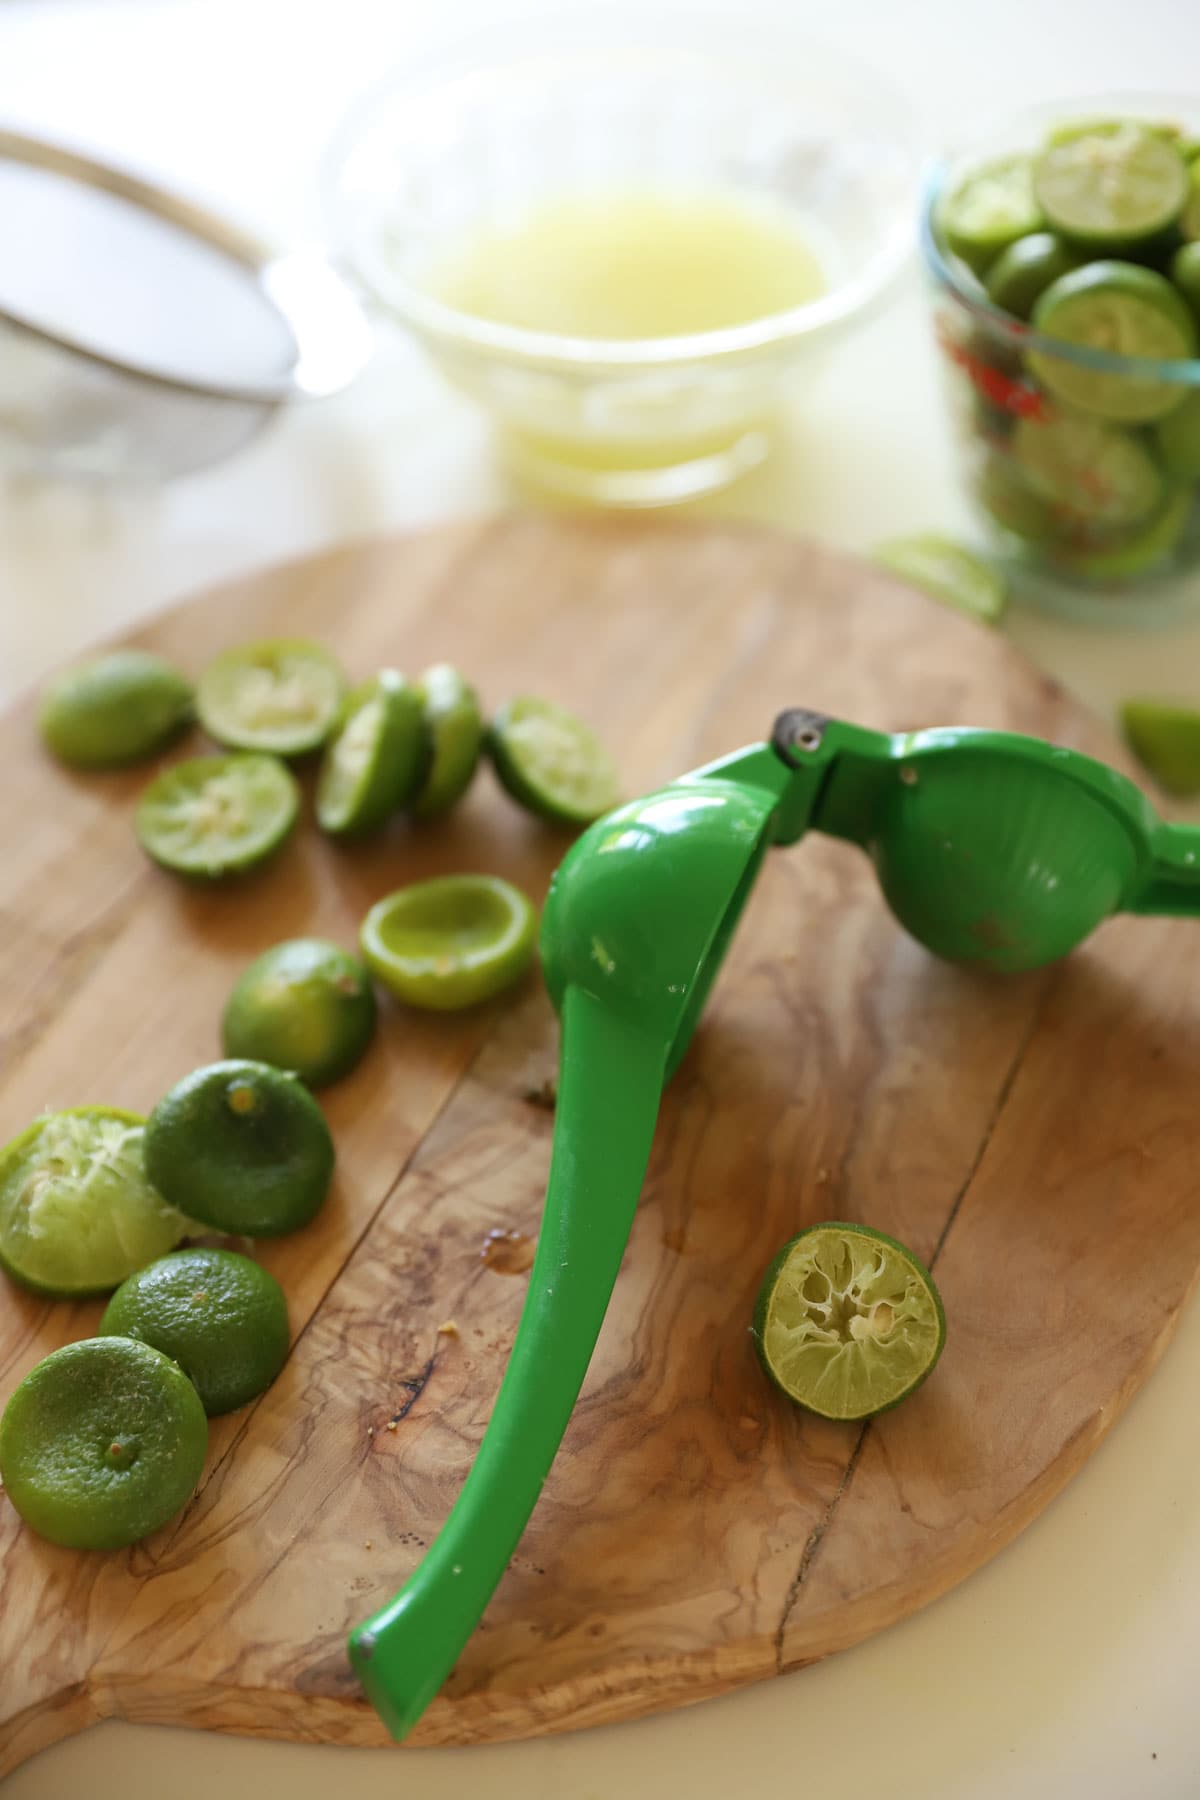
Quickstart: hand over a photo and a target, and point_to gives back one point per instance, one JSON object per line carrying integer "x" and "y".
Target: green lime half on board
{"x": 1109, "y": 185}
{"x": 1165, "y": 737}
{"x": 848, "y": 1322}
{"x": 115, "y": 710}
{"x": 1021, "y": 274}
{"x": 1089, "y": 471}
{"x": 77, "y": 1210}
{"x": 220, "y": 1316}
{"x": 1123, "y": 310}
{"x": 1134, "y": 553}
{"x": 373, "y": 763}
{"x": 102, "y": 1443}
{"x": 243, "y": 1147}
{"x": 947, "y": 572}
{"x": 552, "y": 763}
{"x": 283, "y": 695}
{"x": 454, "y": 739}
{"x": 988, "y": 208}
{"x": 451, "y": 942}
{"x": 217, "y": 815}
{"x": 305, "y": 1005}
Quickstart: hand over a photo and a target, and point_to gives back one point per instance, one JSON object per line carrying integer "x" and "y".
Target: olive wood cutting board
{"x": 1031, "y": 1137}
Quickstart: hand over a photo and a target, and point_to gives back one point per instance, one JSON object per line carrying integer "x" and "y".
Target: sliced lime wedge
{"x": 283, "y": 695}
{"x": 1166, "y": 738}
{"x": 217, "y": 815}
{"x": 552, "y": 763}
{"x": 1089, "y": 471}
{"x": 1124, "y": 310}
{"x": 847, "y": 1321}
{"x": 1110, "y": 185}
{"x": 371, "y": 767}
{"x": 989, "y": 208}
{"x": 947, "y": 572}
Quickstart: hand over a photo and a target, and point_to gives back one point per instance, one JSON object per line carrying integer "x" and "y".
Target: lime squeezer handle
{"x": 610, "y": 1086}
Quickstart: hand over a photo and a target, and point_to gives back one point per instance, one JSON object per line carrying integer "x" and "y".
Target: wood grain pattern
{"x": 1028, "y": 1136}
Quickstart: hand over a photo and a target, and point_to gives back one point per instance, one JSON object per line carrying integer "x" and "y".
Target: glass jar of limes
{"x": 1064, "y": 254}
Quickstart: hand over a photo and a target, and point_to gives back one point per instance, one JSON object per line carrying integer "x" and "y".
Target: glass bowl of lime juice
{"x": 623, "y": 232}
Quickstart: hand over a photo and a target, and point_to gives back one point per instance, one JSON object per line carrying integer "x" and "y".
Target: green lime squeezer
{"x": 989, "y": 847}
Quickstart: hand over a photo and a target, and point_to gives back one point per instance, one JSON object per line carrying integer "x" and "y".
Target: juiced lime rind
{"x": 78, "y": 1212}
{"x": 115, "y": 710}
{"x": 552, "y": 763}
{"x": 452, "y": 942}
{"x": 947, "y": 572}
{"x": 281, "y": 695}
{"x": 215, "y": 816}
{"x": 848, "y": 1322}
{"x": 373, "y": 764}
{"x": 102, "y": 1443}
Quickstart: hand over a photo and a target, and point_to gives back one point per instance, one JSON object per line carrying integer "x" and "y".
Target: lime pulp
{"x": 217, "y": 815}
{"x": 848, "y": 1322}
{"x": 220, "y": 1316}
{"x": 305, "y": 1005}
{"x": 283, "y": 695}
{"x": 115, "y": 710}
{"x": 552, "y": 763}
{"x": 451, "y": 942}
{"x": 947, "y": 572}
{"x": 77, "y": 1210}
{"x": 373, "y": 764}
{"x": 1090, "y": 471}
{"x": 102, "y": 1443}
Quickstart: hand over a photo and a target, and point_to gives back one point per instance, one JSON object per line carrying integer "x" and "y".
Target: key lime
{"x": 115, "y": 710}
{"x": 242, "y": 1147}
{"x": 304, "y": 1005}
{"x": 989, "y": 209}
{"x": 1136, "y": 552}
{"x": 1021, "y": 274}
{"x": 454, "y": 739}
{"x": 451, "y": 942}
{"x": 1089, "y": 471}
{"x": 847, "y": 1322}
{"x": 947, "y": 572}
{"x": 217, "y": 815}
{"x": 552, "y": 763}
{"x": 283, "y": 695}
{"x": 221, "y": 1317}
{"x": 1107, "y": 186}
{"x": 1189, "y": 218}
{"x": 1166, "y": 738}
{"x": 77, "y": 1212}
{"x": 1178, "y": 438}
{"x": 372, "y": 766}
{"x": 1122, "y": 309}
{"x": 1185, "y": 273}
{"x": 102, "y": 1443}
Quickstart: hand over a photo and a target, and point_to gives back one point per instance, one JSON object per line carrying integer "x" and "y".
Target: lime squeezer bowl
{"x": 607, "y": 103}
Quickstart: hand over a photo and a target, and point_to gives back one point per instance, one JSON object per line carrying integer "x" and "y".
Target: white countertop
{"x": 1066, "y": 1667}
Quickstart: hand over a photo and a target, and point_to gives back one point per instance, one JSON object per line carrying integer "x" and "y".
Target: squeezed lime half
{"x": 848, "y": 1322}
